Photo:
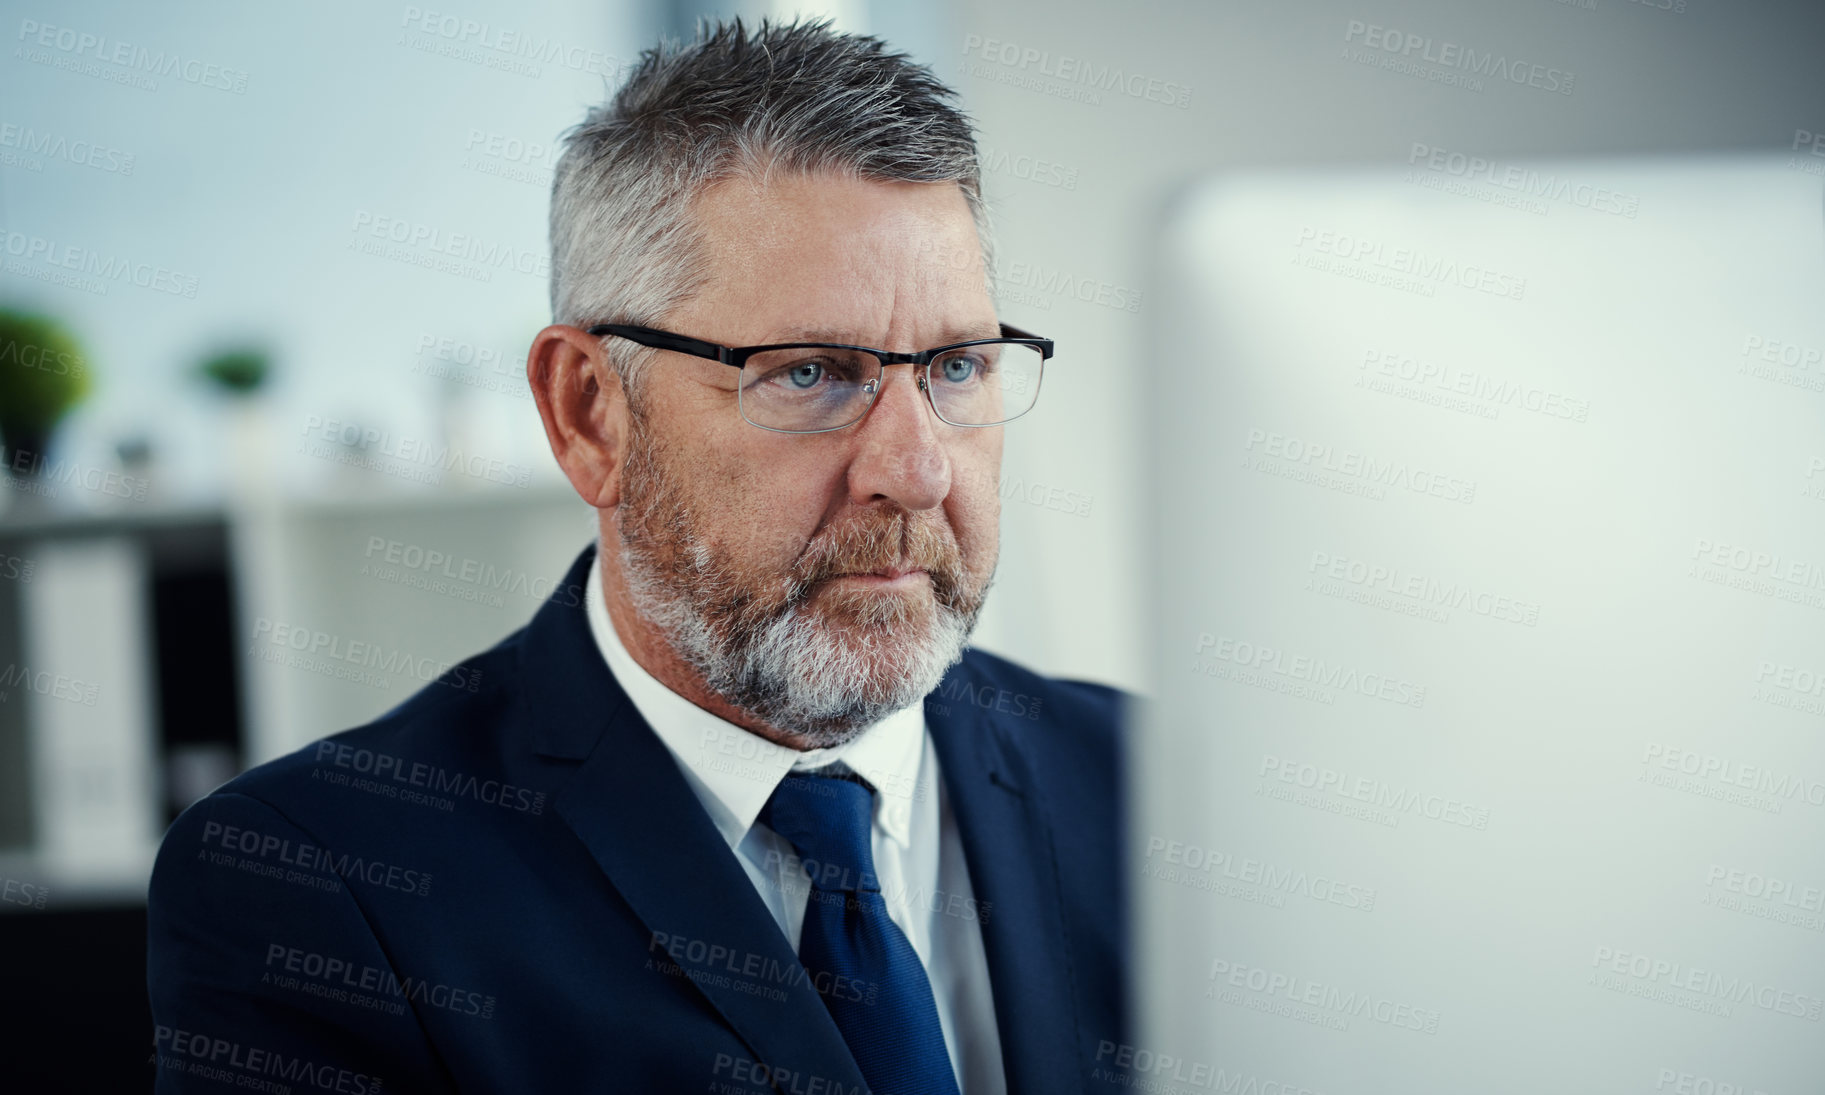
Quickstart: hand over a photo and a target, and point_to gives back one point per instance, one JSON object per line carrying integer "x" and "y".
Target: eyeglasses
{"x": 814, "y": 387}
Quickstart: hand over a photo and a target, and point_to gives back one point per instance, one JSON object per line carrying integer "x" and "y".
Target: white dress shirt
{"x": 918, "y": 856}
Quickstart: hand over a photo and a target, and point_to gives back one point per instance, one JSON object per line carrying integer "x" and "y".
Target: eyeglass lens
{"x": 808, "y": 388}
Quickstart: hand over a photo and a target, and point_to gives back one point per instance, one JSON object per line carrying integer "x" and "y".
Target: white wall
{"x": 1269, "y": 85}
{"x": 263, "y": 195}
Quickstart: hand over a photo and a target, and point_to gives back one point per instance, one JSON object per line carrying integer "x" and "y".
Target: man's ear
{"x": 584, "y": 410}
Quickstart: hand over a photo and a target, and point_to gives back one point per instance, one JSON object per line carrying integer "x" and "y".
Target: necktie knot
{"x": 829, "y": 819}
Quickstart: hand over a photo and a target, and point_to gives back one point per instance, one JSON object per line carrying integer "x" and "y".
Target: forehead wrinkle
{"x": 854, "y": 287}
{"x": 926, "y": 308}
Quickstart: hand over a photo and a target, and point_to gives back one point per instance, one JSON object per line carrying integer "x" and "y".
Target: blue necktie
{"x": 869, "y": 976}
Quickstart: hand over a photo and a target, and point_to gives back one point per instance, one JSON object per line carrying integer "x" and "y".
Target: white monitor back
{"x": 1488, "y": 750}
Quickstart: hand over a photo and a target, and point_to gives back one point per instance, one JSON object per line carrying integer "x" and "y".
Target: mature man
{"x": 694, "y": 829}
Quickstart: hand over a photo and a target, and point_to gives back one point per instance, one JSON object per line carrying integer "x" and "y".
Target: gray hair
{"x": 797, "y": 96}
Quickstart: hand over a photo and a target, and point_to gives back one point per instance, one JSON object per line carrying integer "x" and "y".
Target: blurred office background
{"x": 229, "y": 238}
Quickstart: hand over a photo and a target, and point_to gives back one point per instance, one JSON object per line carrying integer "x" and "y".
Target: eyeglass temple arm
{"x": 664, "y": 340}
{"x": 1008, "y": 330}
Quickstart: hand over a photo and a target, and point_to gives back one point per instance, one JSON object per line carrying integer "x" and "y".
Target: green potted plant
{"x": 241, "y": 374}
{"x": 43, "y": 376}
{"x": 237, "y": 372}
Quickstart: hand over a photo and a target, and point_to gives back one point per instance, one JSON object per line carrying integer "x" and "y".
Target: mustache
{"x": 880, "y": 539}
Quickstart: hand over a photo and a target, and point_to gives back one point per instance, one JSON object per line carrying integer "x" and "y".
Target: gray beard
{"x": 784, "y": 665}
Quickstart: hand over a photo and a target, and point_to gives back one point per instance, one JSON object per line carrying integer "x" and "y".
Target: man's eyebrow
{"x": 851, "y": 338}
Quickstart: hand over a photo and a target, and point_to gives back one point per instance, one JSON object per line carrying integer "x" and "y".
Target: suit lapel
{"x": 1012, "y": 867}
{"x": 631, "y": 807}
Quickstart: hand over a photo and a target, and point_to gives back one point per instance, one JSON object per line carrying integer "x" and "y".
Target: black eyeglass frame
{"x": 737, "y": 356}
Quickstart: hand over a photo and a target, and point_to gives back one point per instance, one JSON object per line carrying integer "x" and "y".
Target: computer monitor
{"x": 1487, "y": 750}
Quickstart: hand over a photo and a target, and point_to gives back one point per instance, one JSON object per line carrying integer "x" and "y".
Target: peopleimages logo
{"x": 280, "y": 851}
{"x": 214, "y": 1058}
{"x": 1766, "y": 888}
{"x": 1177, "y": 861}
{"x": 1523, "y": 180}
{"x": 1756, "y": 779}
{"x": 1280, "y": 454}
{"x": 459, "y": 568}
{"x": 515, "y": 50}
{"x": 41, "y": 471}
{"x": 134, "y": 64}
{"x": 431, "y": 777}
{"x": 42, "y": 358}
{"x": 461, "y": 246}
{"x": 1707, "y": 986}
{"x": 1427, "y": 590}
{"x": 1407, "y": 260}
{"x": 1030, "y": 168}
{"x": 45, "y": 683}
{"x": 1076, "y": 70}
{"x": 96, "y": 268}
{"x": 1481, "y": 391}
{"x": 1261, "y": 659}
{"x": 1378, "y": 793}
{"x": 15, "y": 892}
{"x": 314, "y": 645}
{"x": 1125, "y": 1065}
{"x": 1399, "y": 49}
{"x": 346, "y": 980}
{"x": 382, "y": 450}
{"x": 31, "y": 143}
{"x": 1341, "y": 1004}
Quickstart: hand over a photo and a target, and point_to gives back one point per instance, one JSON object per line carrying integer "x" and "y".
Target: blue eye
{"x": 803, "y": 375}
{"x": 957, "y": 370}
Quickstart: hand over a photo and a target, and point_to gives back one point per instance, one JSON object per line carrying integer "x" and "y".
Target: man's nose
{"x": 901, "y": 454}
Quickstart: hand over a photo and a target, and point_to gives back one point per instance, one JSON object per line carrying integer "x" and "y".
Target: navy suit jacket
{"x": 506, "y": 885}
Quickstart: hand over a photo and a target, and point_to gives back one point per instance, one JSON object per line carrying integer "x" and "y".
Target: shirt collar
{"x": 734, "y": 771}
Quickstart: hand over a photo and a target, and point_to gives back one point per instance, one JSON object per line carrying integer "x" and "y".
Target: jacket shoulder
{"x": 1080, "y": 708}
{"x": 450, "y": 724}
